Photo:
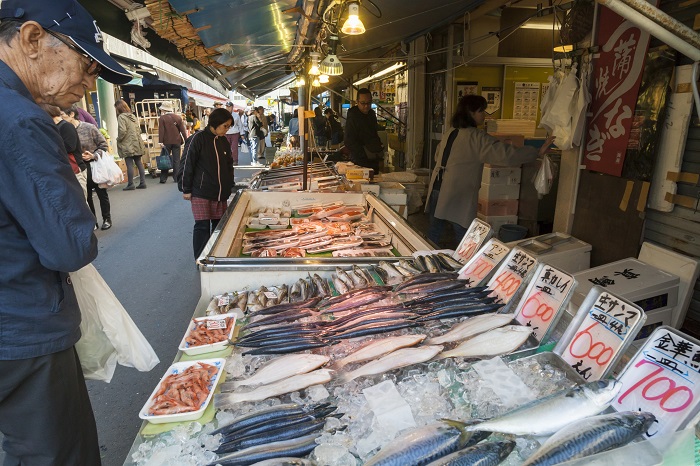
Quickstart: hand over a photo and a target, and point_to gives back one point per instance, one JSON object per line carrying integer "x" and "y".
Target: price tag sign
{"x": 224, "y": 300}
{"x": 603, "y": 331}
{"x": 663, "y": 379}
{"x": 511, "y": 275}
{"x": 475, "y": 237}
{"x": 216, "y": 324}
{"x": 545, "y": 297}
{"x": 483, "y": 262}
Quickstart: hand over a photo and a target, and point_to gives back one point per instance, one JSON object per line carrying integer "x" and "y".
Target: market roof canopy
{"x": 251, "y": 40}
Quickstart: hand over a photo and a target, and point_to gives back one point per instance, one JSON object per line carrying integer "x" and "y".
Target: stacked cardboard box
{"x": 499, "y": 194}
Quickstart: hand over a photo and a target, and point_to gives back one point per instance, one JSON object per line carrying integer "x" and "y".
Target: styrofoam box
{"x": 493, "y": 174}
{"x": 370, "y": 188}
{"x": 498, "y": 206}
{"x": 496, "y": 221}
{"x": 499, "y": 191}
{"x": 393, "y": 193}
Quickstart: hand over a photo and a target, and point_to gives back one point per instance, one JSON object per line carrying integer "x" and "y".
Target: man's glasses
{"x": 93, "y": 68}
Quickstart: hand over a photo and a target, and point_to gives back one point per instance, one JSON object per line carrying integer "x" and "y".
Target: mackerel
{"x": 259, "y": 416}
{"x": 495, "y": 342}
{"x": 285, "y": 461}
{"x": 301, "y": 446}
{"x": 276, "y": 435}
{"x": 547, "y": 415}
{"x": 400, "y": 358}
{"x": 291, "y": 384}
{"x": 421, "y": 446}
{"x": 471, "y": 327}
{"x": 379, "y": 348}
{"x": 483, "y": 454}
{"x": 318, "y": 411}
{"x": 590, "y": 436}
{"x": 282, "y": 367}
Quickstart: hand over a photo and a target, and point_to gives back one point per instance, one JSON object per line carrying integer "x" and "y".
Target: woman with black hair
{"x": 207, "y": 177}
{"x": 459, "y": 163}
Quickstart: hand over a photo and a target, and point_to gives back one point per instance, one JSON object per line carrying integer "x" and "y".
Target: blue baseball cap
{"x": 69, "y": 18}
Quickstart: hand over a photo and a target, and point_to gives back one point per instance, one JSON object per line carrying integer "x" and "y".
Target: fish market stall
{"x": 380, "y": 361}
{"x": 320, "y": 177}
{"x": 301, "y": 232}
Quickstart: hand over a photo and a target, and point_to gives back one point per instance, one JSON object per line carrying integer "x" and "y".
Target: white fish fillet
{"x": 499, "y": 341}
{"x": 472, "y": 327}
{"x": 399, "y": 358}
{"x": 281, "y": 368}
{"x": 292, "y": 384}
{"x": 379, "y": 348}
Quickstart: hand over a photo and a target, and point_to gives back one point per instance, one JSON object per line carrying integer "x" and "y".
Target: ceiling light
{"x": 331, "y": 65}
{"x": 379, "y": 74}
{"x": 300, "y": 81}
{"x": 313, "y": 71}
{"x": 353, "y": 25}
{"x": 315, "y": 82}
{"x": 539, "y": 24}
{"x": 323, "y": 79}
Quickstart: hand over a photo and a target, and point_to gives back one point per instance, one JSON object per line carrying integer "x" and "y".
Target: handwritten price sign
{"x": 511, "y": 275}
{"x": 545, "y": 296}
{"x": 664, "y": 379}
{"x": 609, "y": 324}
{"x": 477, "y": 233}
{"x": 482, "y": 263}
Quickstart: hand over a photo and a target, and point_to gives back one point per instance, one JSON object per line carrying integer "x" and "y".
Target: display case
{"x": 320, "y": 177}
{"x": 222, "y": 265}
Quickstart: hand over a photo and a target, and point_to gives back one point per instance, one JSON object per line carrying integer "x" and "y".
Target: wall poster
{"x": 493, "y": 99}
{"x": 527, "y": 101}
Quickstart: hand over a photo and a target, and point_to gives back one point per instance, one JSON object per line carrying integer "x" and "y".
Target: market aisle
{"x": 146, "y": 258}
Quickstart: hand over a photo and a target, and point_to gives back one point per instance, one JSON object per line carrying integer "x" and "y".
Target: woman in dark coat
{"x": 207, "y": 177}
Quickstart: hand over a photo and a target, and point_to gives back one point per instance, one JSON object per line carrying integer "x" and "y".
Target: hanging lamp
{"x": 331, "y": 65}
{"x": 353, "y": 25}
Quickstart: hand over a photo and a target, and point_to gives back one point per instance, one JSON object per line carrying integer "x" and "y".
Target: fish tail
{"x": 224, "y": 400}
{"x": 466, "y": 434}
{"x": 345, "y": 376}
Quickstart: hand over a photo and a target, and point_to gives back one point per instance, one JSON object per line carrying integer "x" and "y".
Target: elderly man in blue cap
{"x": 51, "y": 51}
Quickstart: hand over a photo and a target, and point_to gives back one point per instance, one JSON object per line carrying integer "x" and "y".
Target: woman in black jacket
{"x": 207, "y": 177}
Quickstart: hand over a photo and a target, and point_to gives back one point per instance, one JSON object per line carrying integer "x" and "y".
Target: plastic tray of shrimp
{"x": 184, "y": 391}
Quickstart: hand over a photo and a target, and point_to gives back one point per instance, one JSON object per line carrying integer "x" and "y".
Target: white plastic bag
{"x": 109, "y": 336}
{"x": 105, "y": 171}
{"x": 544, "y": 178}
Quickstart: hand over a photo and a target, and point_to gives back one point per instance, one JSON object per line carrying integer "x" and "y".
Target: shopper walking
{"x": 91, "y": 140}
{"x": 171, "y": 135}
{"x": 208, "y": 161}
{"x": 45, "y": 411}
{"x": 233, "y": 135}
{"x": 257, "y": 135}
{"x": 293, "y": 135}
{"x": 244, "y": 123}
{"x": 459, "y": 161}
{"x": 130, "y": 145}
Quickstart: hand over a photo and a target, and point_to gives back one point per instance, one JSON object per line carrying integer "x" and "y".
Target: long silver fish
{"x": 291, "y": 384}
{"x": 400, "y": 358}
{"x": 472, "y": 327}
{"x": 286, "y": 461}
{"x": 495, "y": 342}
{"x": 590, "y": 436}
{"x": 281, "y": 368}
{"x": 547, "y": 415}
{"x": 483, "y": 454}
{"x": 379, "y": 348}
{"x": 423, "y": 445}
{"x": 301, "y": 446}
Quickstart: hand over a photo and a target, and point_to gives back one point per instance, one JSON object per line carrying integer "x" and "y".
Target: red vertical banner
{"x": 622, "y": 48}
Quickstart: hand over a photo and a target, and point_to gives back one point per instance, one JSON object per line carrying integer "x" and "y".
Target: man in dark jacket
{"x": 50, "y": 52}
{"x": 361, "y": 138}
{"x": 171, "y": 136}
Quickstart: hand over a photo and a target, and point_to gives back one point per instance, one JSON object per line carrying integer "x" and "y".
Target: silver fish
{"x": 286, "y": 461}
{"x": 342, "y": 275}
{"x": 454, "y": 263}
{"x": 253, "y": 298}
{"x": 421, "y": 446}
{"x": 242, "y": 302}
{"x": 432, "y": 266}
{"x": 263, "y": 297}
{"x": 379, "y": 348}
{"x": 295, "y": 293}
{"x": 547, "y": 415}
{"x": 357, "y": 277}
{"x": 472, "y": 327}
{"x": 288, "y": 385}
{"x": 301, "y": 446}
{"x": 409, "y": 266}
{"x": 281, "y": 368}
{"x": 282, "y": 294}
{"x": 499, "y": 341}
{"x": 590, "y": 436}
{"x": 322, "y": 285}
{"x": 483, "y": 454}
{"x": 400, "y": 358}
{"x": 339, "y": 284}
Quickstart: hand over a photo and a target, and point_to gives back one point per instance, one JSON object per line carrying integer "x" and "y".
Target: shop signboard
{"x": 477, "y": 270}
{"x": 617, "y": 76}
{"x": 604, "y": 326}
{"x": 544, "y": 299}
{"x": 512, "y": 277}
{"x": 663, "y": 378}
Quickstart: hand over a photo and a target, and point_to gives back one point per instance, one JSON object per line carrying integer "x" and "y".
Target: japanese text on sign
{"x": 483, "y": 262}
{"x": 543, "y": 299}
{"x": 601, "y": 335}
{"x": 511, "y": 275}
{"x": 472, "y": 241}
{"x": 663, "y": 379}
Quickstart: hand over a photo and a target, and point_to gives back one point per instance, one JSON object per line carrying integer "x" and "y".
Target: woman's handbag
{"x": 163, "y": 161}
